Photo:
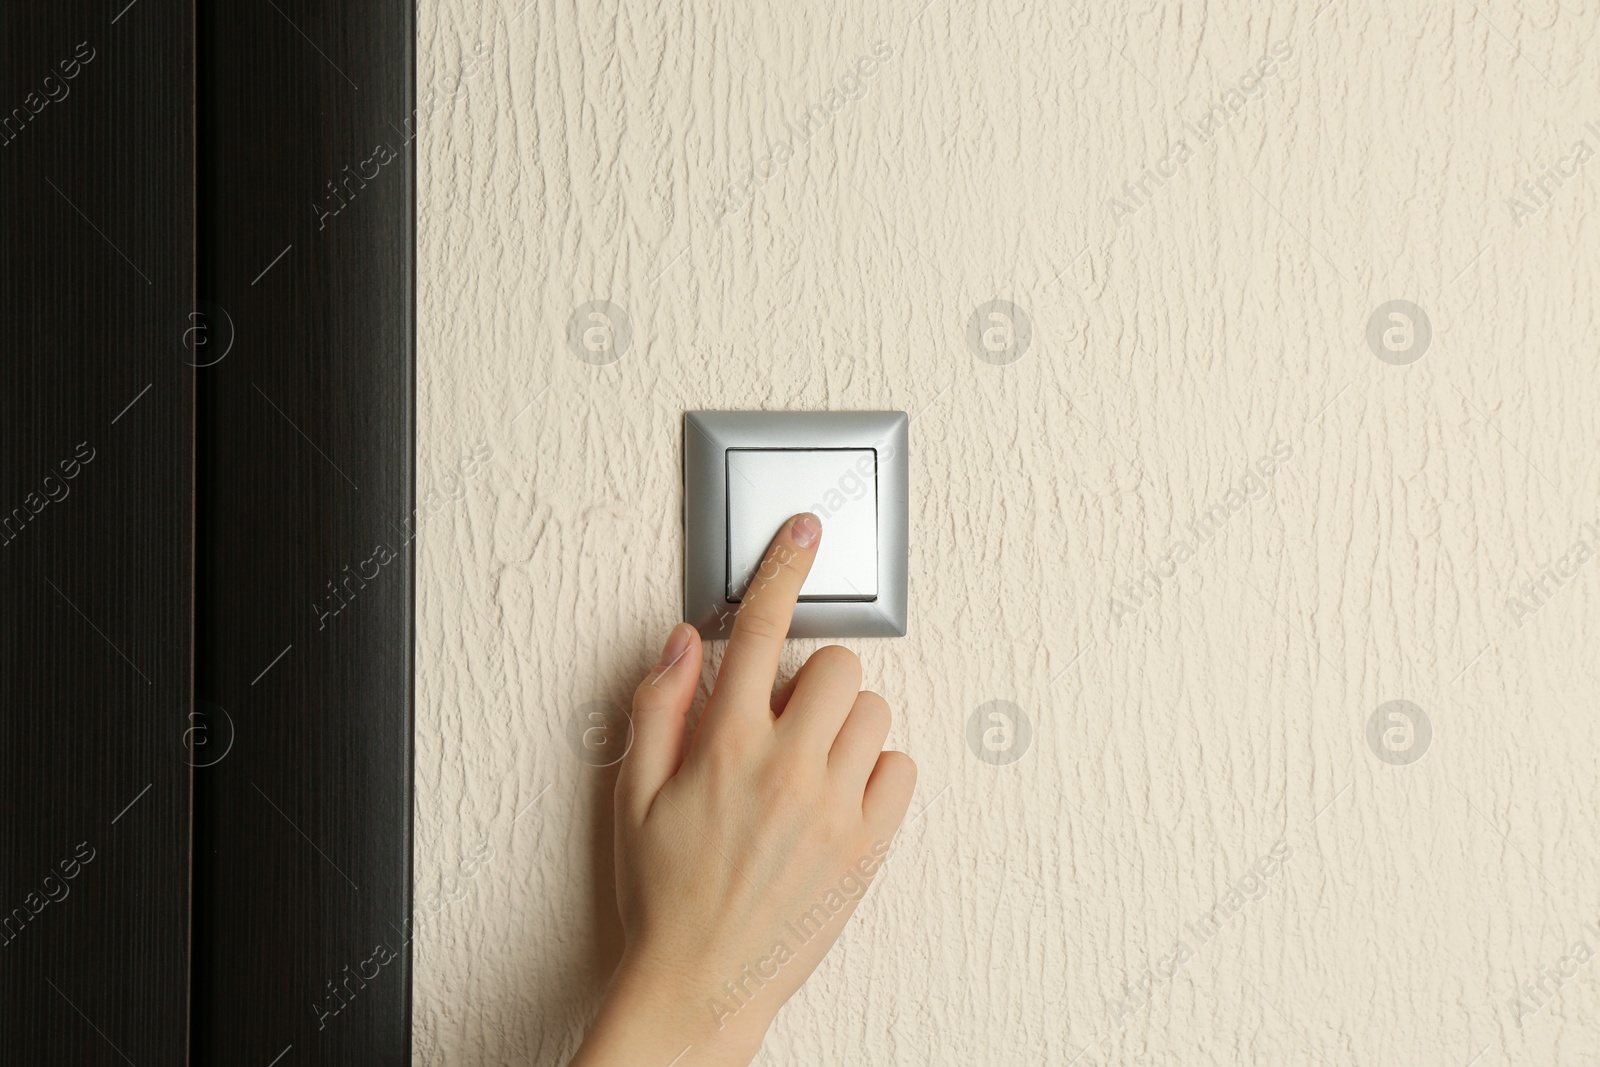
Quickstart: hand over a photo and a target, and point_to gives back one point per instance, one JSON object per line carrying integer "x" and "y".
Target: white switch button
{"x": 839, "y": 485}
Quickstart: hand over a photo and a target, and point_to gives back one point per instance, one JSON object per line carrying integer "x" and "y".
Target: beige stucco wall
{"x": 575, "y": 152}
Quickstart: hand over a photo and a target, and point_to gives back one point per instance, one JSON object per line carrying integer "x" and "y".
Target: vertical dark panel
{"x": 304, "y": 588}
{"x": 96, "y": 484}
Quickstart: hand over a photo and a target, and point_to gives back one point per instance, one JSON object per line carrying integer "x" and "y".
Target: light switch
{"x": 839, "y": 485}
{"x": 747, "y": 472}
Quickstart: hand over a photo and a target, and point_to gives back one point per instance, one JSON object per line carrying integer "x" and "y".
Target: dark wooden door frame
{"x": 304, "y": 572}
{"x": 206, "y": 670}
{"x": 96, "y": 462}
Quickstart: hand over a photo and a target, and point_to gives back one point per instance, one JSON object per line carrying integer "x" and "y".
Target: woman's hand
{"x": 741, "y": 855}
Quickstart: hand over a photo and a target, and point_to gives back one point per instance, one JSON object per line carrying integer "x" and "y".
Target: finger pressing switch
{"x": 766, "y": 486}
{"x": 746, "y": 472}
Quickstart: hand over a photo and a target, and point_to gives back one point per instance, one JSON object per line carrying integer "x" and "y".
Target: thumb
{"x": 659, "y": 706}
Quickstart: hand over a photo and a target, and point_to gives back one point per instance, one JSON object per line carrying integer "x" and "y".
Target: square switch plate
{"x": 745, "y": 472}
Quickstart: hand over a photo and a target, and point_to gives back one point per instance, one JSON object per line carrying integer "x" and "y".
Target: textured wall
{"x": 1198, "y": 698}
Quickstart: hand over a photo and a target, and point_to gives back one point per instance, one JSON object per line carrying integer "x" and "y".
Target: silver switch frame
{"x": 707, "y": 437}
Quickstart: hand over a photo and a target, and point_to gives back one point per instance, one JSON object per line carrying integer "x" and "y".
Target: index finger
{"x": 750, "y": 665}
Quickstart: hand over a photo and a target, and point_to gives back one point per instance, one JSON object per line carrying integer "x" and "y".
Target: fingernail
{"x": 806, "y": 530}
{"x": 677, "y": 644}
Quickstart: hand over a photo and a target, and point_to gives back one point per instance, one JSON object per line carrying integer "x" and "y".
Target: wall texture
{"x": 1197, "y": 505}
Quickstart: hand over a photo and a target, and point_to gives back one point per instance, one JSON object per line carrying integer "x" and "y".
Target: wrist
{"x": 655, "y": 1014}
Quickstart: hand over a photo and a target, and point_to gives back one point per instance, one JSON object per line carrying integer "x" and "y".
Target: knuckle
{"x": 874, "y": 722}
{"x": 646, "y": 697}
{"x": 726, "y": 738}
{"x": 908, "y": 768}
{"x": 785, "y": 781}
{"x": 839, "y": 660}
{"x": 652, "y": 701}
{"x": 759, "y": 624}
{"x": 875, "y": 705}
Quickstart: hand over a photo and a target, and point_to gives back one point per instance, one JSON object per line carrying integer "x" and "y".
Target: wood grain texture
{"x": 303, "y": 855}
{"x": 1414, "y": 913}
{"x": 96, "y": 435}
